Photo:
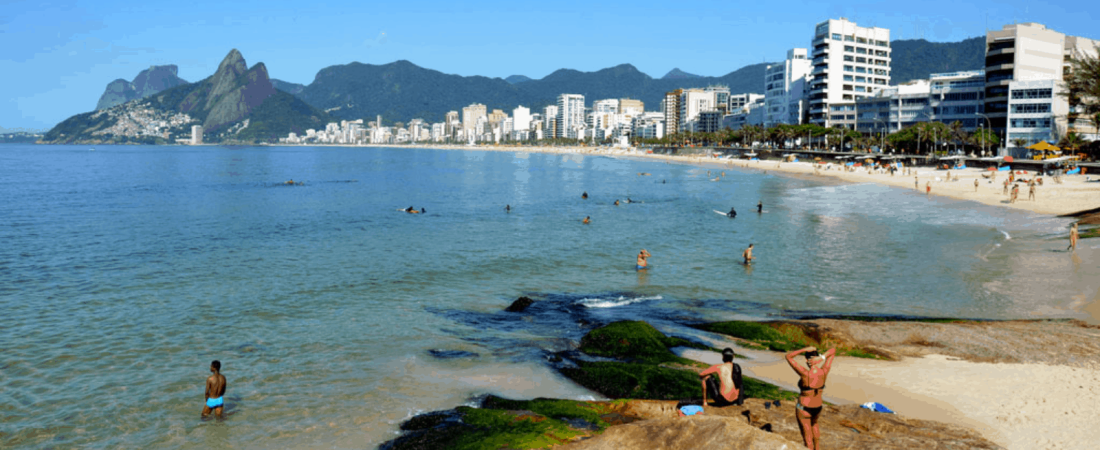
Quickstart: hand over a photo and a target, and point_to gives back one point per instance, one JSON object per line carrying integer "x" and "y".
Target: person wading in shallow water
{"x": 811, "y": 381}
{"x": 215, "y": 390}
{"x": 642, "y": 264}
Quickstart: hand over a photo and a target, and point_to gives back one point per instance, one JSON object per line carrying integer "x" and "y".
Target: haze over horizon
{"x": 59, "y": 57}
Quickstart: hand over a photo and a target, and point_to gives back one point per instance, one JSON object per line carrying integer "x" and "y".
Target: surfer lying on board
{"x": 732, "y": 214}
{"x": 411, "y": 210}
{"x": 747, "y": 254}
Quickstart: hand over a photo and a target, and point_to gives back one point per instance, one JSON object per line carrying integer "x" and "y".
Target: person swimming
{"x": 411, "y": 210}
{"x": 422, "y": 210}
{"x": 811, "y": 382}
{"x": 616, "y": 202}
{"x": 507, "y": 208}
{"x": 586, "y": 220}
{"x": 584, "y": 195}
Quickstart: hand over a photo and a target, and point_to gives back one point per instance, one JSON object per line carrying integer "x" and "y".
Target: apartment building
{"x": 470, "y": 116}
{"x": 570, "y": 116}
{"x": 1024, "y": 66}
{"x": 783, "y": 86}
{"x": 521, "y": 118}
{"x": 944, "y": 97}
{"x": 849, "y": 62}
{"x": 671, "y": 109}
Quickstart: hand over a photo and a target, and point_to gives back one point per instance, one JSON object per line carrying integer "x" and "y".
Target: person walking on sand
{"x": 726, "y": 390}
{"x": 916, "y": 183}
{"x": 747, "y": 254}
{"x": 642, "y": 264}
{"x": 1031, "y": 191}
{"x": 215, "y": 390}
{"x": 928, "y": 187}
{"x": 1073, "y": 236}
{"x": 811, "y": 381}
{"x": 975, "y": 185}
{"x": 1015, "y": 192}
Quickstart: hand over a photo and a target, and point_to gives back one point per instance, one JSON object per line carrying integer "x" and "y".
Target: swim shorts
{"x": 214, "y": 402}
{"x": 640, "y": 267}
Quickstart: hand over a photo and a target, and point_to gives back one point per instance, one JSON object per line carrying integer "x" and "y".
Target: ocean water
{"x": 125, "y": 270}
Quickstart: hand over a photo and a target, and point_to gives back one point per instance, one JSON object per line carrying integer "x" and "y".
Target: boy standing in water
{"x": 215, "y": 390}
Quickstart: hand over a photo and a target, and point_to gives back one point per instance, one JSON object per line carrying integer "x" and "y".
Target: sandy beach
{"x": 1033, "y": 388}
{"x": 1073, "y": 194}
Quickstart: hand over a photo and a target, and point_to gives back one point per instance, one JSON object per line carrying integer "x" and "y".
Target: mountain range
{"x": 146, "y": 83}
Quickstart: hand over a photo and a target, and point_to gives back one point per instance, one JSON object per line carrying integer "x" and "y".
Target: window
{"x": 848, "y": 39}
{"x": 848, "y": 78}
{"x": 847, "y": 68}
{"x": 860, "y": 59}
{"x": 960, "y": 96}
{"x": 880, "y": 81}
{"x": 836, "y": 36}
{"x": 1029, "y": 108}
{"x": 1030, "y": 123}
{"x": 861, "y": 79}
{"x": 861, "y": 50}
{"x": 849, "y": 48}
{"x": 861, "y": 40}
{"x": 914, "y": 101}
{"x": 1018, "y": 94}
{"x": 861, "y": 89}
{"x": 847, "y": 87}
{"x": 861, "y": 70}
{"x": 849, "y": 58}
{"x": 882, "y": 43}
{"x": 847, "y": 97}
{"x": 837, "y": 117}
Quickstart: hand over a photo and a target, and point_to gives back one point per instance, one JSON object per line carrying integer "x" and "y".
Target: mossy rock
{"x": 635, "y": 341}
{"x": 502, "y": 423}
{"x": 636, "y": 380}
{"x": 783, "y": 336}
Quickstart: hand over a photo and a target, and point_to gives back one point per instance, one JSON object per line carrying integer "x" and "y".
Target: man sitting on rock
{"x": 727, "y": 389}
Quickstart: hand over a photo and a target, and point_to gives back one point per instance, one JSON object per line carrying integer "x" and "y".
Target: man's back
{"x": 215, "y": 385}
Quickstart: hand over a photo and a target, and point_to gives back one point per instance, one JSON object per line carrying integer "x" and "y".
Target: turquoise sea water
{"x": 126, "y": 270}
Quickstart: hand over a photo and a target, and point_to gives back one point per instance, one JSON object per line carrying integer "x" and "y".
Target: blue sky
{"x": 57, "y": 57}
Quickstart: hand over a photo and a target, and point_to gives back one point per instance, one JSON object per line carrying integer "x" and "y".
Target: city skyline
{"x": 61, "y": 56}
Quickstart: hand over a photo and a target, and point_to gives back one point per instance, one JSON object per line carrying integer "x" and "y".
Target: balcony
{"x": 820, "y": 69}
{"x": 1005, "y": 66}
{"x": 819, "y": 40}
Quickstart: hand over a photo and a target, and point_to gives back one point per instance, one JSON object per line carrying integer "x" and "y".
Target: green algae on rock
{"x": 785, "y": 336}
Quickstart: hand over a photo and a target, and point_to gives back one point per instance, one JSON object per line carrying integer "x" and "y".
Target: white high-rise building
{"x": 570, "y": 116}
{"x": 550, "y": 121}
{"x": 1025, "y": 65}
{"x": 521, "y": 118}
{"x": 196, "y": 134}
{"x": 782, "y": 86}
{"x": 693, "y": 102}
{"x": 849, "y": 63}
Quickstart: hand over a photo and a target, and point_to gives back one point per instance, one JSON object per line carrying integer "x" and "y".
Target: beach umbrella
{"x": 1043, "y": 146}
{"x": 1008, "y": 159}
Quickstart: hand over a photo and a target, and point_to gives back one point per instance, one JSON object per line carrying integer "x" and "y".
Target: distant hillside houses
{"x": 843, "y": 80}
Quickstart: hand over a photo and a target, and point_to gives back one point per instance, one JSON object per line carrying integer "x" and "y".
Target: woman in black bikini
{"x": 811, "y": 381}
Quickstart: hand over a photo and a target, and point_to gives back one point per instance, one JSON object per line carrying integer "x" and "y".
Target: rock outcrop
{"x": 700, "y": 431}
{"x": 148, "y": 82}
{"x": 230, "y": 95}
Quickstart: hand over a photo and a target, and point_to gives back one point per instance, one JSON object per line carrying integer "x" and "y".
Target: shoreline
{"x": 1072, "y": 196}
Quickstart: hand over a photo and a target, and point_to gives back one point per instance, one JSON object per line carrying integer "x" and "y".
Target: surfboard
{"x": 719, "y": 212}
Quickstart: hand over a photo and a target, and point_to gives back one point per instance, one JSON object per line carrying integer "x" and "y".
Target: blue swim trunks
{"x": 214, "y": 403}
{"x": 640, "y": 267}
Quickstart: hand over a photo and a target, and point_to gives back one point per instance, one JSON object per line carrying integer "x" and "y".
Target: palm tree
{"x": 1019, "y": 142}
